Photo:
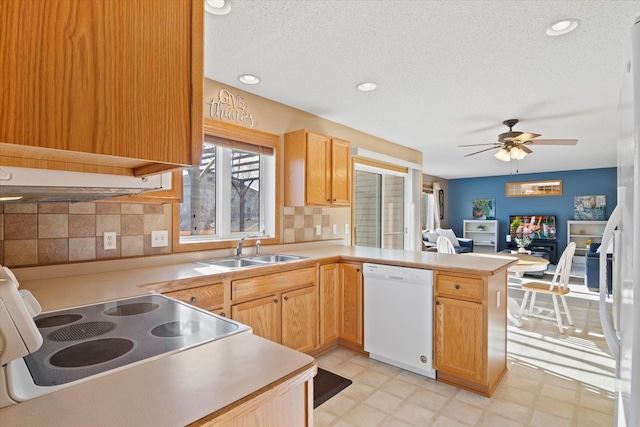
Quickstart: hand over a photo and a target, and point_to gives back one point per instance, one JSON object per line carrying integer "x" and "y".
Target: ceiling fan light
{"x": 503, "y": 155}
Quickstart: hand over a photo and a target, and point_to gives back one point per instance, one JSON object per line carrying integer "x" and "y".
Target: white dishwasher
{"x": 398, "y": 317}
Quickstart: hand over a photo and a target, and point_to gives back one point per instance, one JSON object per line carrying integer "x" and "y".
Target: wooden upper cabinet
{"x": 317, "y": 170}
{"x": 101, "y": 86}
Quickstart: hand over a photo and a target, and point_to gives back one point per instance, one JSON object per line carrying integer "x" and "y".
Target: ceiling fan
{"x": 511, "y": 144}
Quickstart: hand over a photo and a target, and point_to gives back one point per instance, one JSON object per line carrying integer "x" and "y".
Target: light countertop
{"x": 181, "y": 388}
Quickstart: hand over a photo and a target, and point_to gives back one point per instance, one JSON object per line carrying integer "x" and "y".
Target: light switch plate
{"x": 109, "y": 243}
{"x": 318, "y": 230}
{"x": 335, "y": 229}
{"x": 346, "y": 229}
{"x": 159, "y": 238}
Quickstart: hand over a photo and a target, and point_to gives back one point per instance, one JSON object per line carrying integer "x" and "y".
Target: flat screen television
{"x": 541, "y": 227}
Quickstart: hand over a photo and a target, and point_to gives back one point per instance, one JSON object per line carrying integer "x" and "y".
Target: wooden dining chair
{"x": 558, "y": 288}
{"x": 445, "y": 246}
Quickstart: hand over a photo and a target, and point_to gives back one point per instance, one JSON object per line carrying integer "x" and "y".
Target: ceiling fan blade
{"x": 526, "y": 136}
{"x": 475, "y": 145}
{"x": 554, "y": 142}
{"x": 481, "y": 151}
{"x": 525, "y": 149}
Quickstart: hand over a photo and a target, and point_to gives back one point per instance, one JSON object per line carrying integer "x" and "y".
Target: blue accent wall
{"x": 574, "y": 183}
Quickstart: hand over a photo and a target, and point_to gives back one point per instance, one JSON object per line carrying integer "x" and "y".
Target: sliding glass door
{"x": 379, "y": 208}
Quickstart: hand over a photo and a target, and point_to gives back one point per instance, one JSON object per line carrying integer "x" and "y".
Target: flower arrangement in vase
{"x": 522, "y": 243}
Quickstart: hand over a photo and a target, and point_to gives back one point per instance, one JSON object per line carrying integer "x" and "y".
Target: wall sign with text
{"x": 230, "y": 107}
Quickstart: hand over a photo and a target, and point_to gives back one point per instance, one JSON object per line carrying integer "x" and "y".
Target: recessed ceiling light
{"x": 217, "y": 7}
{"x": 249, "y": 79}
{"x": 563, "y": 27}
{"x": 366, "y": 86}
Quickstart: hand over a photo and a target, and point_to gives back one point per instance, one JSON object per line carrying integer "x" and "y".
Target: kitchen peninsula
{"x": 215, "y": 383}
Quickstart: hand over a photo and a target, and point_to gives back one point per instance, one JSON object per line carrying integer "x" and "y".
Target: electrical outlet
{"x": 318, "y": 230}
{"x": 508, "y": 238}
{"x": 346, "y": 229}
{"x": 109, "y": 240}
{"x": 159, "y": 238}
{"x": 335, "y": 228}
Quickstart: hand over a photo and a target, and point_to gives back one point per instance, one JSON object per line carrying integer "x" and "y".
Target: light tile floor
{"x": 553, "y": 380}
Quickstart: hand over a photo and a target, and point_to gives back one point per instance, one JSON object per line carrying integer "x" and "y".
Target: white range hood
{"x": 24, "y": 185}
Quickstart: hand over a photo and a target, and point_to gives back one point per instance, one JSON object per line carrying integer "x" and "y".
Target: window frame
{"x": 232, "y": 132}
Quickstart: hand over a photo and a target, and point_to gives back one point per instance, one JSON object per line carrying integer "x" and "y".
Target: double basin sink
{"x": 255, "y": 261}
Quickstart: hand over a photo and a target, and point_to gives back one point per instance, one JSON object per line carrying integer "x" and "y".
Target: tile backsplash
{"x": 300, "y": 224}
{"x": 56, "y": 233}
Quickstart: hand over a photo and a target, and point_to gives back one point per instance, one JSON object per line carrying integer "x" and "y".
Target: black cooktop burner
{"x": 59, "y": 320}
{"x": 131, "y": 309}
{"x": 176, "y": 329}
{"x": 118, "y": 333}
{"x": 91, "y": 352}
{"x": 81, "y": 331}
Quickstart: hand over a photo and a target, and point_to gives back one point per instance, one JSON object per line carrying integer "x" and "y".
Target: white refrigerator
{"x": 622, "y": 326}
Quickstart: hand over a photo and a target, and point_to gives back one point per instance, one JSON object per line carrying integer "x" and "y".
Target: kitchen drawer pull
{"x": 437, "y": 302}
{"x": 194, "y": 299}
{"x": 286, "y": 298}
{"x": 457, "y": 286}
{"x": 275, "y": 301}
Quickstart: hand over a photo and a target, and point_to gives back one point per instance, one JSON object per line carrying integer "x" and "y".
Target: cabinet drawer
{"x": 205, "y": 297}
{"x": 459, "y": 287}
{"x": 272, "y": 283}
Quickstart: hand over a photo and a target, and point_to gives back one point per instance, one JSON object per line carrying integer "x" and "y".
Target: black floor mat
{"x": 326, "y": 385}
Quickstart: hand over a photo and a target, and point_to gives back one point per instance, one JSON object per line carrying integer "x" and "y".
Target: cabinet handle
{"x": 223, "y": 314}
{"x": 286, "y": 298}
{"x": 335, "y": 200}
{"x": 457, "y": 286}
{"x": 275, "y": 301}
{"x": 437, "y": 302}
{"x": 357, "y": 270}
{"x": 328, "y": 200}
{"x": 194, "y": 299}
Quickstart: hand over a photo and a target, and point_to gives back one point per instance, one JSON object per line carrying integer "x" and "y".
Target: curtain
{"x": 436, "y": 207}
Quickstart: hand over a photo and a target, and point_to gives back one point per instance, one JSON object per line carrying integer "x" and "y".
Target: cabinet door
{"x": 458, "y": 338}
{"x": 340, "y": 172}
{"x": 261, "y": 314}
{"x": 351, "y": 303}
{"x": 112, "y": 78}
{"x": 329, "y": 281}
{"x": 318, "y": 173}
{"x": 300, "y": 319}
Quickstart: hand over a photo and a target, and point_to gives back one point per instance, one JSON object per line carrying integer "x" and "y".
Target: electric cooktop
{"x": 85, "y": 341}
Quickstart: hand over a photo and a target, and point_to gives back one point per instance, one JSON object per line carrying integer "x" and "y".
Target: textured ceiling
{"x": 448, "y": 72}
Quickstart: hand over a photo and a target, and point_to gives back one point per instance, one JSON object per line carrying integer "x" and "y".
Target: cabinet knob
{"x": 194, "y": 299}
{"x": 275, "y": 301}
{"x": 457, "y": 286}
{"x": 335, "y": 200}
{"x": 328, "y": 200}
{"x": 286, "y": 298}
{"x": 357, "y": 270}
{"x": 437, "y": 302}
{"x": 223, "y": 314}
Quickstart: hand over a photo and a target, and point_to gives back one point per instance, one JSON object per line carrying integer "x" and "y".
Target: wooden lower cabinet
{"x": 470, "y": 331}
{"x": 261, "y": 314}
{"x": 329, "y": 284}
{"x": 458, "y": 338}
{"x": 350, "y": 328}
{"x": 300, "y": 319}
{"x": 287, "y": 314}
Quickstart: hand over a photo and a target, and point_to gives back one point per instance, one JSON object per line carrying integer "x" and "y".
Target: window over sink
{"x": 232, "y": 193}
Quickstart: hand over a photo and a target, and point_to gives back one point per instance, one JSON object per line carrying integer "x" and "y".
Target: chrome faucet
{"x": 239, "y": 247}
{"x": 258, "y": 243}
